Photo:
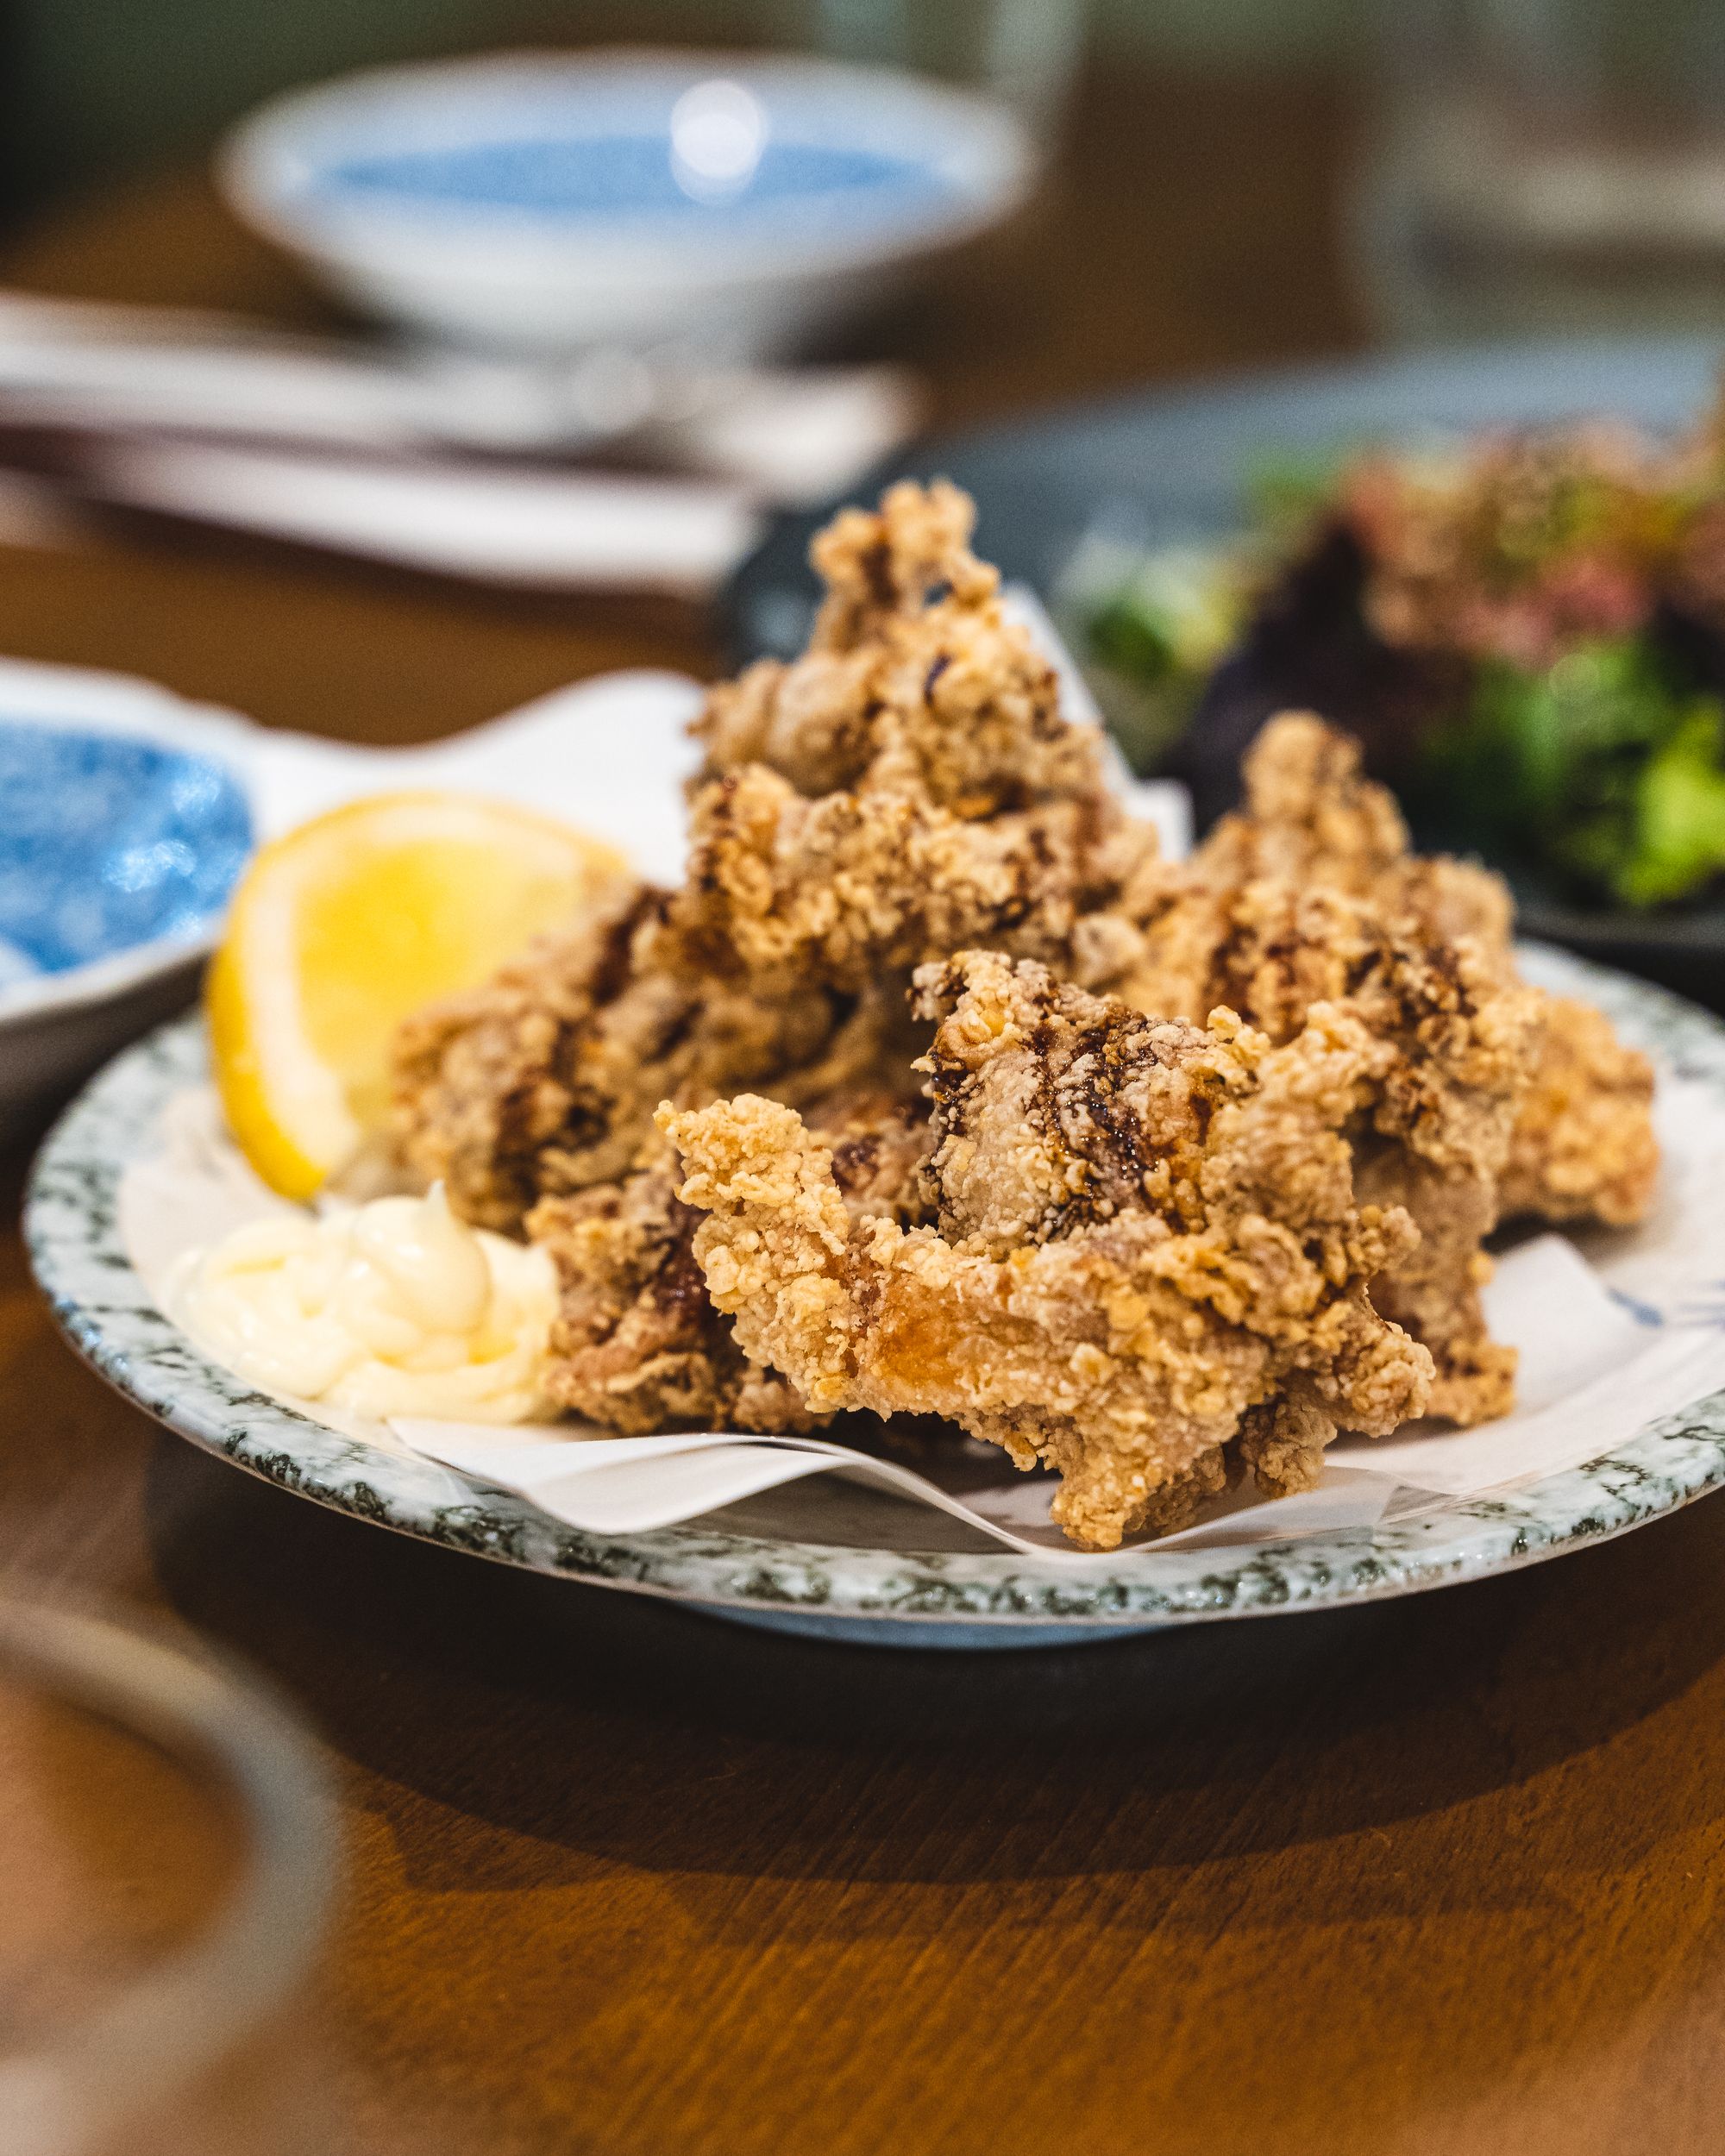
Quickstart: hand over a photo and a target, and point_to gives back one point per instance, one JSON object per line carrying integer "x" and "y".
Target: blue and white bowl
{"x": 545, "y": 204}
{"x": 126, "y": 817}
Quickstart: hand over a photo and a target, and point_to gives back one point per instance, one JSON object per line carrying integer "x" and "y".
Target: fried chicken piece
{"x": 842, "y": 889}
{"x": 1312, "y": 816}
{"x": 955, "y": 805}
{"x": 1273, "y": 950}
{"x": 637, "y": 1344}
{"x": 914, "y": 680}
{"x": 1146, "y": 1247}
{"x": 1583, "y": 1137}
{"x": 543, "y": 1083}
{"x": 533, "y": 1100}
{"x": 908, "y": 788}
{"x": 978, "y": 814}
{"x": 1584, "y": 1146}
{"x": 1297, "y": 899}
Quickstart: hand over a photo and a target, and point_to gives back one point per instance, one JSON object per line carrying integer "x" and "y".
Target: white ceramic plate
{"x": 880, "y": 1571}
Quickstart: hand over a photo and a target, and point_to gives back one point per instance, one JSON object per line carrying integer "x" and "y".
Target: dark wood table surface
{"x": 1440, "y": 1876}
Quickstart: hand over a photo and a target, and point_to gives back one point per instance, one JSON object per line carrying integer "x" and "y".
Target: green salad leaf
{"x": 1605, "y": 764}
{"x": 1287, "y": 489}
{"x": 1158, "y": 635}
{"x": 1679, "y": 814}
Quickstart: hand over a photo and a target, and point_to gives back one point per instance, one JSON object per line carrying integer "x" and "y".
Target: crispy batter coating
{"x": 1583, "y": 1146}
{"x": 1146, "y": 1246}
{"x": 908, "y": 789}
{"x": 842, "y": 889}
{"x": 637, "y": 1344}
{"x": 914, "y": 680}
{"x": 1312, "y": 816}
{"x": 1297, "y": 899}
{"x": 543, "y": 1083}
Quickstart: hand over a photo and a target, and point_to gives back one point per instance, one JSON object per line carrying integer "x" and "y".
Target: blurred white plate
{"x": 545, "y": 204}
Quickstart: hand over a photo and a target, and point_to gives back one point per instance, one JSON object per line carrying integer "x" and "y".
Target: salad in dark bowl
{"x": 1526, "y": 630}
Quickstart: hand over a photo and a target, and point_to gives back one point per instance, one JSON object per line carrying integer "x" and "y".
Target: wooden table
{"x": 1440, "y": 1876}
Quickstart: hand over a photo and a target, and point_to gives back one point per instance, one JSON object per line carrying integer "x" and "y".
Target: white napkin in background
{"x": 788, "y": 435}
{"x": 544, "y": 530}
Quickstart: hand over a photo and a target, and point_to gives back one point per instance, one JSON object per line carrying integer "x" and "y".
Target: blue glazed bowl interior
{"x": 108, "y": 841}
{"x": 572, "y": 177}
{"x": 641, "y": 151}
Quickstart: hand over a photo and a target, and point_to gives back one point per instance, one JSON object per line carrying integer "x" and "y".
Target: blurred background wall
{"x": 92, "y": 88}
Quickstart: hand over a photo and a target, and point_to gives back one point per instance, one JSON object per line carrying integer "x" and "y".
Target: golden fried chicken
{"x": 1294, "y": 900}
{"x": 637, "y": 1344}
{"x": 543, "y": 1083}
{"x": 855, "y": 885}
{"x": 909, "y": 786}
{"x": 1584, "y": 1146}
{"x": 1146, "y": 1247}
{"x": 1312, "y": 816}
{"x": 971, "y": 812}
{"x": 914, "y": 680}
{"x": 908, "y": 789}
{"x": 953, "y": 805}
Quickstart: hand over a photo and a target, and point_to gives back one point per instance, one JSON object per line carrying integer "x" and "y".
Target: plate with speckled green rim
{"x": 890, "y": 1574}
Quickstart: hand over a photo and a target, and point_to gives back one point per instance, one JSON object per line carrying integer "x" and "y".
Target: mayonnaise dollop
{"x": 392, "y": 1309}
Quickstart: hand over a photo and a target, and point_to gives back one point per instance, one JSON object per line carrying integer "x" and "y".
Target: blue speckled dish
{"x": 110, "y": 841}
{"x": 886, "y": 1576}
{"x": 127, "y": 816}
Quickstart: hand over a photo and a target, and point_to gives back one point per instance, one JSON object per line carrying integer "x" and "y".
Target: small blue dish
{"x": 128, "y": 820}
{"x": 109, "y": 842}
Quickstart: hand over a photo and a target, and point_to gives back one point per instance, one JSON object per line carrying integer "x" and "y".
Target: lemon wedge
{"x": 341, "y": 929}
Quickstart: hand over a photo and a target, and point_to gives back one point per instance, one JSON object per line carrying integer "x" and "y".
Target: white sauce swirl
{"x": 390, "y": 1308}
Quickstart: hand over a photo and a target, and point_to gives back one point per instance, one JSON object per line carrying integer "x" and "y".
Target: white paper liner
{"x": 1610, "y": 1340}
